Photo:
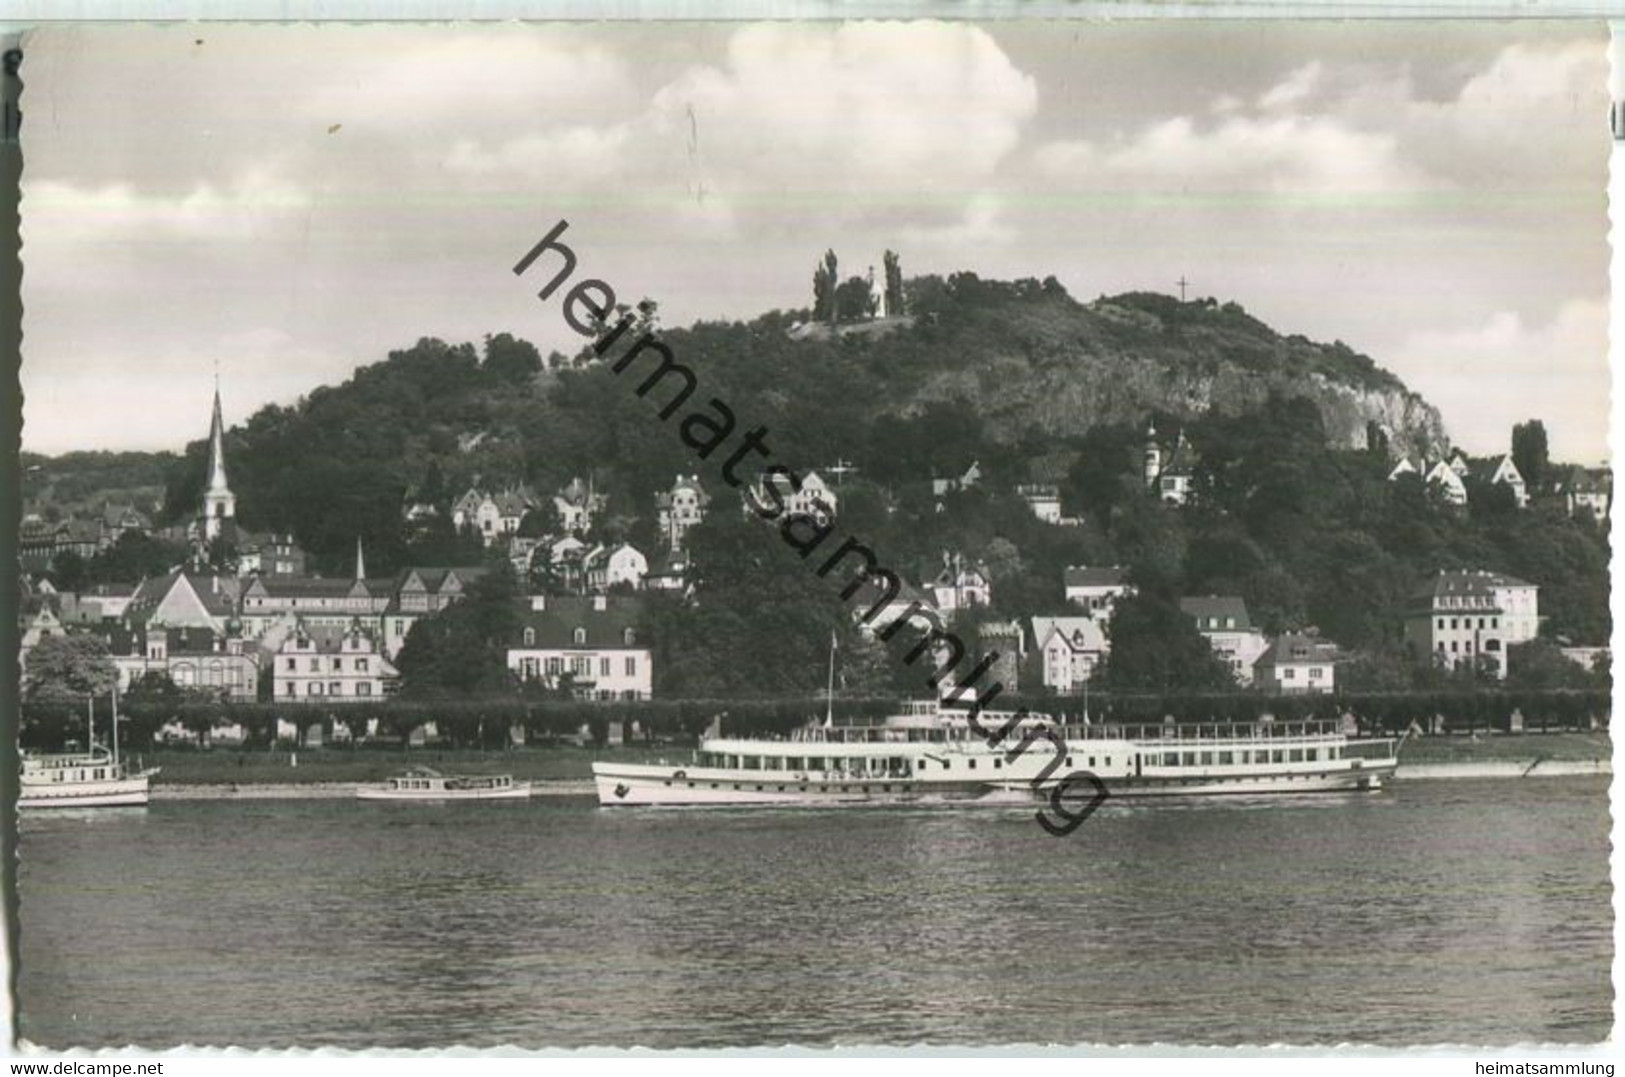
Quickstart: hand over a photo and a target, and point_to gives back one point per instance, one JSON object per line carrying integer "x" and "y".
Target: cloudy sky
{"x": 290, "y": 203}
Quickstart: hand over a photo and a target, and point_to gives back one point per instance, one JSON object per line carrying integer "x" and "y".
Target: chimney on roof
{"x": 600, "y": 602}
{"x": 538, "y": 603}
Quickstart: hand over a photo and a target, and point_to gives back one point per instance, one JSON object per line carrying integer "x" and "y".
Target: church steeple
{"x": 360, "y": 563}
{"x": 217, "y": 447}
{"x": 219, "y": 504}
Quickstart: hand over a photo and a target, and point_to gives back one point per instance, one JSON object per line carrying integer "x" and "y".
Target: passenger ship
{"x": 931, "y": 752}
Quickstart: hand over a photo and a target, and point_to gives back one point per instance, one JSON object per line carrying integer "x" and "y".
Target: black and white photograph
{"x": 834, "y": 533}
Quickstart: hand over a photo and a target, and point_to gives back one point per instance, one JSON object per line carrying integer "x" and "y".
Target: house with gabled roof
{"x": 623, "y": 565}
{"x": 592, "y": 644}
{"x": 1223, "y": 622}
{"x": 422, "y": 592}
{"x": 1297, "y": 664}
{"x": 1096, "y": 589}
{"x": 1447, "y": 481}
{"x": 1072, "y": 648}
{"x": 186, "y": 599}
{"x": 1585, "y": 490}
{"x": 269, "y": 554}
{"x": 1501, "y": 471}
{"x": 876, "y": 606}
{"x": 493, "y": 515}
{"x": 324, "y": 664}
{"x": 578, "y": 504}
{"x": 1403, "y": 466}
{"x": 959, "y": 586}
{"x": 1168, "y": 473}
{"x": 117, "y": 520}
{"x": 808, "y": 495}
{"x": 1444, "y": 476}
{"x": 971, "y": 476}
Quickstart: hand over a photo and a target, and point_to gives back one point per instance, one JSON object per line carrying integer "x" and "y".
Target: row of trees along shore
{"x": 487, "y": 723}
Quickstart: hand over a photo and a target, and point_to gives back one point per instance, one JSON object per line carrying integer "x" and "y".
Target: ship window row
{"x": 1225, "y": 759}
{"x": 79, "y": 775}
{"x": 762, "y": 788}
{"x": 878, "y": 766}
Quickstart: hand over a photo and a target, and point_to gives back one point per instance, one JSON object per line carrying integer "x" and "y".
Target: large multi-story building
{"x": 316, "y": 664}
{"x": 591, "y": 645}
{"x": 1472, "y": 616}
{"x": 189, "y": 657}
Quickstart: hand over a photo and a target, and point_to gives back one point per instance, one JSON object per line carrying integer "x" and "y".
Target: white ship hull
{"x": 930, "y": 753}
{"x": 512, "y": 792}
{"x": 131, "y": 792}
{"x": 630, "y": 785}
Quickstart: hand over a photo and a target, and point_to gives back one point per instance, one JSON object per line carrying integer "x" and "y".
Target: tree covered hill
{"x": 1294, "y": 512}
{"x": 79, "y": 483}
{"x": 991, "y": 371}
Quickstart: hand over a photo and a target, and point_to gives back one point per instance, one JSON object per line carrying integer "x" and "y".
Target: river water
{"x": 1434, "y": 911}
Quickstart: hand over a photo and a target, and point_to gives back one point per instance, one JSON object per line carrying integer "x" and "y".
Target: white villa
{"x": 1072, "y": 647}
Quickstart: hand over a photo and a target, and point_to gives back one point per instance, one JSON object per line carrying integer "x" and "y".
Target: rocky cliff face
{"x": 1062, "y": 367}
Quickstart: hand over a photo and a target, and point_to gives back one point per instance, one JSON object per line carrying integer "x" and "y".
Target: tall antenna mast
{"x": 829, "y": 693}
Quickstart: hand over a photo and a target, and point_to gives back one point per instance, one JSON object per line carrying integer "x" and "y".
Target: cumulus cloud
{"x": 1361, "y": 130}
{"x": 478, "y": 78}
{"x": 792, "y": 121}
{"x": 584, "y": 154}
{"x": 854, "y": 106}
{"x": 1284, "y": 155}
{"x": 1294, "y": 89}
{"x": 1488, "y": 376}
{"x": 981, "y": 225}
{"x": 254, "y": 204}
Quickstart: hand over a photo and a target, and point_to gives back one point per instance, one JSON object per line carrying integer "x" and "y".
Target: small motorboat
{"x": 425, "y": 783}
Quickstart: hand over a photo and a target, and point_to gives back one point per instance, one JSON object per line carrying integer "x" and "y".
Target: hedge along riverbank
{"x": 487, "y": 722}
{"x": 481, "y": 722}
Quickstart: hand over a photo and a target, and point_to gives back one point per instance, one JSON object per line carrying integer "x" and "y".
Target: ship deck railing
{"x": 1148, "y": 734}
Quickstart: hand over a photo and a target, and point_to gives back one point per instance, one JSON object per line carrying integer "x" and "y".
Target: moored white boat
{"x": 427, "y": 784}
{"x": 93, "y": 779}
{"x": 931, "y": 752}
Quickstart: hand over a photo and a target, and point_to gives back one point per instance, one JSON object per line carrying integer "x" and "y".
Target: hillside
{"x": 1033, "y": 357}
{"x": 1296, "y": 514}
{"x": 80, "y": 483}
{"x": 1003, "y": 373}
